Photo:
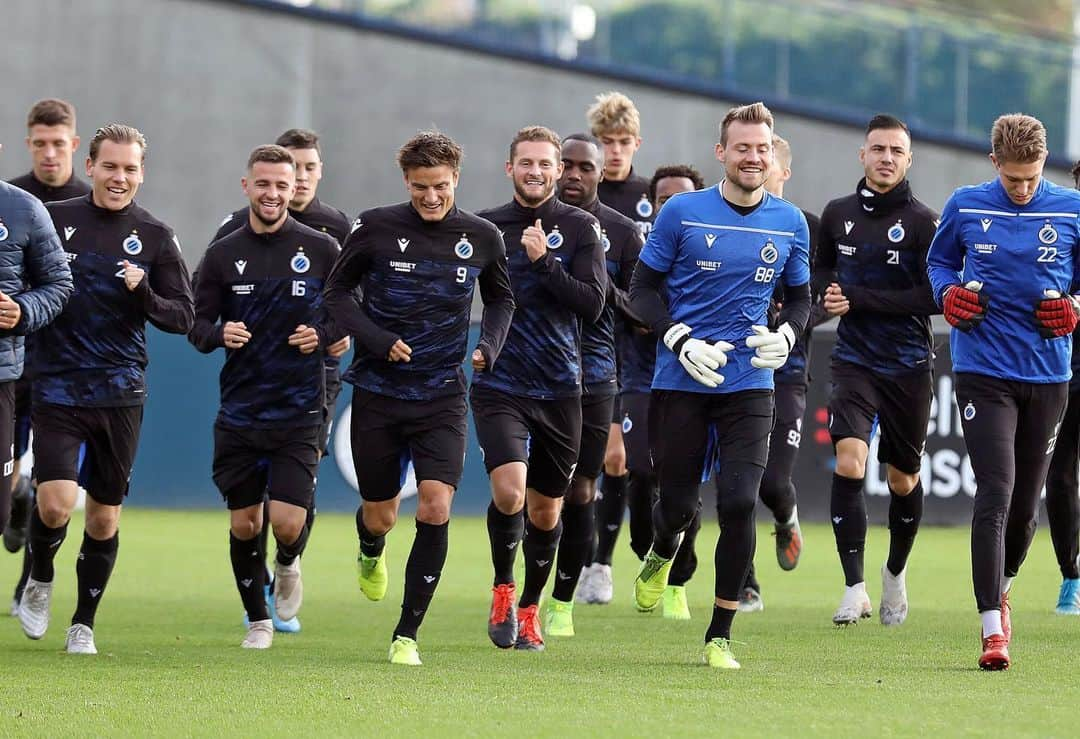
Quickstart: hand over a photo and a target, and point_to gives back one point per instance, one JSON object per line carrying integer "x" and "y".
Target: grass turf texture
{"x": 170, "y": 663}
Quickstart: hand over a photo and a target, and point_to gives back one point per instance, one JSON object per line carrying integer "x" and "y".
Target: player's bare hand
{"x": 235, "y": 334}
{"x": 133, "y": 275}
{"x": 834, "y": 303}
{"x": 400, "y": 352}
{"x": 339, "y": 347}
{"x": 478, "y": 362}
{"x": 10, "y": 312}
{"x": 305, "y": 338}
{"x": 535, "y": 241}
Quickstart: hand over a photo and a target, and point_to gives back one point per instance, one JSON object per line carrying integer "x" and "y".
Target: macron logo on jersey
{"x": 69, "y": 231}
{"x": 986, "y": 223}
{"x": 710, "y": 239}
{"x": 403, "y": 244}
{"x": 848, "y": 225}
{"x": 241, "y": 265}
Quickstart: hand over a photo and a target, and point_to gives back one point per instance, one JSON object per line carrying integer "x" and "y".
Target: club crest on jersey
{"x": 3, "y": 231}
{"x": 463, "y": 248}
{"x": 643, "y": 207}
{"x": 554, "y": 239}
{"x": 132, "y": 245}
{"x": 1047, "y": 234}
{"x": 710, "y": 239}
{"x": 985, "y": 222}
{"x": 605, "y": 241}
{"x": 769, "y": 253}
{"x": 896, "y": 233}
{"x": 969, "y": 411}
{"x": 300, "y": 263}
{"x": 627, "y": 424}
{"x": 848, "y": 225}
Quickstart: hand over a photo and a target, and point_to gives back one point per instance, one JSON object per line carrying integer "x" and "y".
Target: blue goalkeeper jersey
{"x": 722, "y": 268}
{"x": 1017, "y": 252}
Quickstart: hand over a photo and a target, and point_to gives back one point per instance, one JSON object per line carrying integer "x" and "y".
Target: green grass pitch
{"x": 170, "y": 663}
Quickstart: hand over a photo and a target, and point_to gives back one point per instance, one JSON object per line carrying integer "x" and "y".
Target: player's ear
{"x": 720, "y": 151}
{"x": 75, "y": 141}
{"x": 509, "y": 168}
{"x": 89, "y": 166}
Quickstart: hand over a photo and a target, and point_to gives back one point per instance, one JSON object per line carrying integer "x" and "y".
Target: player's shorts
{"x": 616, "y": 410}
{"x": 107, "y": 437}
{"x": 388, "y": 433}
{"x": 901, "y": 404}
{"x": 7, "y": 429}
{"x": 23, "y": 399}
{"x": 694, "y": 433}
{"x": 635, "y": 432}
{"x": 280, "y": 463}
{"x": 544, "y": 434}
{"x": 595, "y": 426}
{"x": 333, "y": 389}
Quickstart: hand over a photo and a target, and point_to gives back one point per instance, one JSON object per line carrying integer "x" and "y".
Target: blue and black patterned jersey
{"x": 418, "y": 279}
{"x": 317, "y": 215}
{"x": 272, "y": 283}
{"x": 630, "y": 197}
{"x": 94, "y": 354}
{"x": 622, "y": 242}
{"x": 875, "y": 245}
{"x": 542, "y": 355}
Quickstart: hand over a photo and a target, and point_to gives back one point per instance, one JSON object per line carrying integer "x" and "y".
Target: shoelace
{"x": 500, "y": 610}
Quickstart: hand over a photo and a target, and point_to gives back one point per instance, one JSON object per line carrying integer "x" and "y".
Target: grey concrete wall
{"x": 206, "y": 82}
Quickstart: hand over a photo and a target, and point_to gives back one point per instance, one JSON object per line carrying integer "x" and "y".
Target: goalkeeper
{"x": 718, "y": 253}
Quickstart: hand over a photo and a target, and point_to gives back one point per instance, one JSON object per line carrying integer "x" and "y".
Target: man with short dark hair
{"x": 306, "y": 208}
{"x": 637, "y": 363}
{"x": 527, "y": 409}
{"x": 89, "y": 370}
{"x": 583, "y": 167}
{"x": 259, "y": 296}
{"x": 419, "y": 263}
{"x": 872, "y": 257}
{"x": 1004, "y": 265}
{"x": 52, "y": 141}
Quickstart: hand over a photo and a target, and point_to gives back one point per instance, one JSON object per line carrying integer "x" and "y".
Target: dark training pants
{"x": 1063, "y": 492}
{"x": 1010, "y": 429}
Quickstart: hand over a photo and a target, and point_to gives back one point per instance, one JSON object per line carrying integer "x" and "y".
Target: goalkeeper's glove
{"x": 965, "y": 307}
{"x": 771, "y": 347}
{"x": 699, "y": 358}
{"x": 1056, "y": 315}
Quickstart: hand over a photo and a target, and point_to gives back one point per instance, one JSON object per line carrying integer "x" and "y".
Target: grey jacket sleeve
{"x": 47, "y": 275}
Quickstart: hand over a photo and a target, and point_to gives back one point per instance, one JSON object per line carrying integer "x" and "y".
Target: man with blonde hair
{"x": 713, "y": 385}
{"x": 1003, "y": 264}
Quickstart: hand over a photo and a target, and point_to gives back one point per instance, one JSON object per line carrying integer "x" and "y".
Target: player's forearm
{"x": 620, "y": 300}
{"x": 796, "y": 309}
{"x": 646, "y": 300}
{"x": 173, "y": 308}
{"x": 345, "y": 317}
{"x": 581, "y": 292}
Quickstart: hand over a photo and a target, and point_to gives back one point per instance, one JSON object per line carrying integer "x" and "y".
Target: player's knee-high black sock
{"x": 538, "y": 548}
{"x": 250, "y": 573}
{"x": 640, "y": 499}
{"x": 504, "y": 532}
{"x": 848, "y": 510}
{"x": 573, "y": 549}
{"x": 685, "y": 563}
{"x": 610, "y": 509}
{"x": 95, "y": 565}
{"x": 720, "y": 626}
{"x": 905, "y": 513}
{"x": 44, "y": 543}
{"x": 370, "y": 544}
{"x": 287, "y": 553}
{"x": 422, "y": 572}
